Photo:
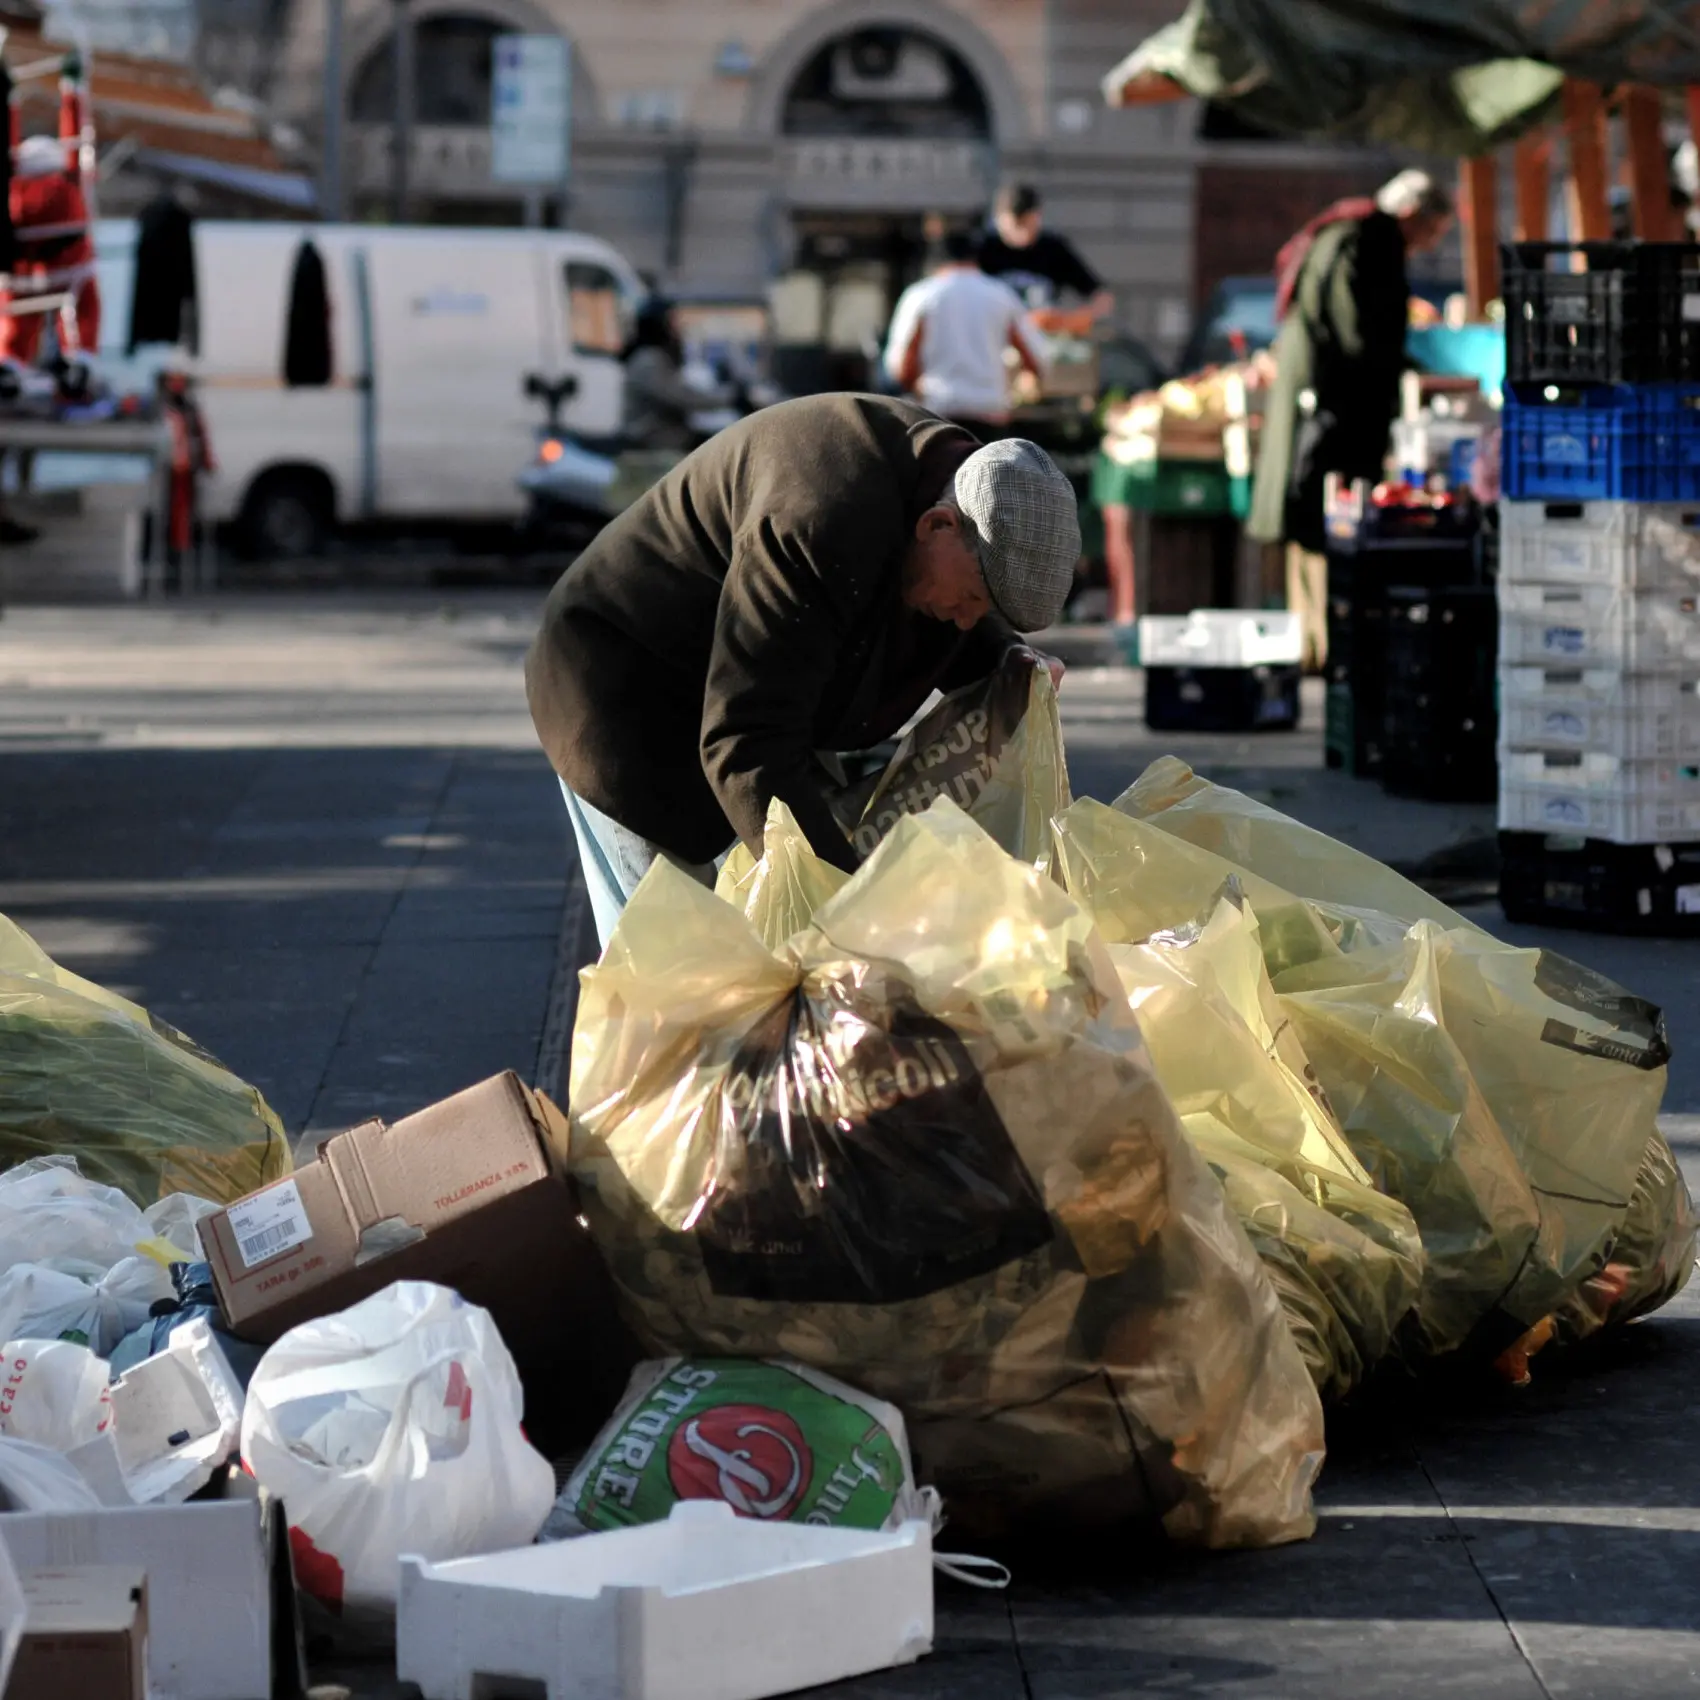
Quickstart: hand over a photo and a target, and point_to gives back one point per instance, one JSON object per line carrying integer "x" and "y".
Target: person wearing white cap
{"x": 800, "y": 584}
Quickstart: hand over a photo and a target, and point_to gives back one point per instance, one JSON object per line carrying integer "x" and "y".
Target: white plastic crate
{"x": 1636, "y": 716}
{"x": 1595, "y": 795}
{"x": 1591, "y": 625}
{"x": 705, "y": 1606}
{"x": 1618, "y": 545}
{"x": 1221, "y": 637}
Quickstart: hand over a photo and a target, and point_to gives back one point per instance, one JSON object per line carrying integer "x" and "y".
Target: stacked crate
{"x": 1599, "y": 656}
{"x": 1398, "y": 700}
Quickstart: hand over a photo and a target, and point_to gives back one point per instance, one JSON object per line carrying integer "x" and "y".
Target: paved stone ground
{"x": 313, "y": 830}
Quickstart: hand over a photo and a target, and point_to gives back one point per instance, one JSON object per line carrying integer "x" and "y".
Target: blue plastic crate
{"x": 1462, "y": 461}
{"x": 1606, "y": 442}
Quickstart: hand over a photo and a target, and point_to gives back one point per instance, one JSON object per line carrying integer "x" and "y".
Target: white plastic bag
{"x": 37, "y": 1478}
{"x": 53, "y": 1392}
{"x": 78, "y": 1260}
{"x": 393, "y": 1428}
{"x": 38, "y": 1302}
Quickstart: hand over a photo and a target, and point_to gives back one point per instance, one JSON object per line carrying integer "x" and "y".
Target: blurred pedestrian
{"x": 1343, "y": 301}
{"x": 1038, "y": 264}
{"x": 947, "y": 341}
{"x": 660, "y": 401}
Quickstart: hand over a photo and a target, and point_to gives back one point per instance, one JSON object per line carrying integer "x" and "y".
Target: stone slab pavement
{"x": 314, "y": 831}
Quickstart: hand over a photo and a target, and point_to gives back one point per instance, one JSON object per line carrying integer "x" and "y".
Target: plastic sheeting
{"x": 140, "y": 1106}
{"x": 1447, "y": 76}
{"x": 922, "y": 1148}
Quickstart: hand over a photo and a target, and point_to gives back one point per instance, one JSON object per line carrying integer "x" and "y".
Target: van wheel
{"x": 286, "y": 517}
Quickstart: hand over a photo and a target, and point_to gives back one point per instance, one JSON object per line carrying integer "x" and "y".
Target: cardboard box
{"x": 85, "y": 1634}
{"x": 468, "y": 1193}
{"x": 221, "y": 1588}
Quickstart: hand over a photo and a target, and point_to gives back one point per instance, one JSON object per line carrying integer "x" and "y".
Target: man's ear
{"x": 935, "y": 520}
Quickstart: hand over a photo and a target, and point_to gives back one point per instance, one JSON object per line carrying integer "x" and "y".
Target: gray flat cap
{"x": 1026, "y": 521}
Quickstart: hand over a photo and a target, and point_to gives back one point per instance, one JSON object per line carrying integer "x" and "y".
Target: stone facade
{"x": 694, "y": 152}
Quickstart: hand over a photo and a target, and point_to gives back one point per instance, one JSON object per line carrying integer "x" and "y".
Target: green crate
{"x": 1343, "y": 745}
{"x": 1202, "y": 488}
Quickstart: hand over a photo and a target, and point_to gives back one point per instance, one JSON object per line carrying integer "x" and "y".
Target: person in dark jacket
{"x": 1339, "y": 354}
{"x": 799, "y": 584}
{"x": 660, "y": 400}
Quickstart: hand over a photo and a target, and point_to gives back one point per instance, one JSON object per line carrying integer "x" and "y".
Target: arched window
{"x": 887, "y": 82}
{"x": 452, "y": 56}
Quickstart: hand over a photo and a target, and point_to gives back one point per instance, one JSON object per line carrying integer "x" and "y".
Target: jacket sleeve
{"x": 777, "y": 637}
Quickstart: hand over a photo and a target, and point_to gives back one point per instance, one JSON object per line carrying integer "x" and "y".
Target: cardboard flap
{"x": 343, "y": 1157}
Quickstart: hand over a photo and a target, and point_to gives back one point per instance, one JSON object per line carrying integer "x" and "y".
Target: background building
{"x": 726, "y": 144}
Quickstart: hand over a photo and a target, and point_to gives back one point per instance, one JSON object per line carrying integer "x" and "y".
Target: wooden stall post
{"x": 1649, "y": 169}
{"x": 1478, "y": 203}
{"x": 1532, "y": 168}
{"x": 1585, "y": 130}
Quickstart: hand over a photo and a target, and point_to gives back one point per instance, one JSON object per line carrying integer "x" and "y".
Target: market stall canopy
{"x": 1443, "y": 76}
{"x": 156, "y": 111}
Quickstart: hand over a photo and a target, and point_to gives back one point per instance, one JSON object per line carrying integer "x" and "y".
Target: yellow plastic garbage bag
{"x": 140, "y": 1106}
{"x": 1345, "y": 1260}
{"x": 1651, "y": 1257}
{"x": 778, "y": 895}
{"x": 921, "y": 1148}
{"x": 1507, "y": 1097}
{"x": 1262, "y": 841}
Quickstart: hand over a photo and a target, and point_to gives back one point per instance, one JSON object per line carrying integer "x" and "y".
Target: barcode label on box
{"x": 269, "y": 1224}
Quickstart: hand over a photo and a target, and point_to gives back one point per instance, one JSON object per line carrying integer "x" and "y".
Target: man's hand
{"x": 1055, "y": 667}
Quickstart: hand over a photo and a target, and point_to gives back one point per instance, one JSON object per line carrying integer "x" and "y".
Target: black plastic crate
{"x": 1439, "y": 720}
{"x": 1651, "y": 889}
{"x": 1626, "y": 319}
{"x": 1221, "y": 699}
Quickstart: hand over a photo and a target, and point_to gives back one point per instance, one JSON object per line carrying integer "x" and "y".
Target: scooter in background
{"x": 569, "y": 484}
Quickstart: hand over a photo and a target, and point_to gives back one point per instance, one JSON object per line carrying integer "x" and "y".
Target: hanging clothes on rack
{"x": 163, "y": 303}
{"x": 55, "y": 250}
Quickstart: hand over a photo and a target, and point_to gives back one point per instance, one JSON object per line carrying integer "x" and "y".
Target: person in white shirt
{"x": 947, "y": 340}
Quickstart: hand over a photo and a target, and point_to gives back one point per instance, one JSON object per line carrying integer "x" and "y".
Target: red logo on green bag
{"x": 754, "y": 1458}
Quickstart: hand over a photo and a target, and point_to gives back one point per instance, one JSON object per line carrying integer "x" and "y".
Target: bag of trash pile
{"x": 78, "y": 1260}
{"x": 390, "y": 1428}
{"x": 1345, "y": 1260}
{"x": 776, "y": 1441}
{"x": 921, "y": 1149}
{"x": 1507, "y": 1096}
{"x": 54, "y": 1393}
{"x": 1274, "y": 847}
{"x": 779, "y": 894}
{"x": 142, "y": 1107}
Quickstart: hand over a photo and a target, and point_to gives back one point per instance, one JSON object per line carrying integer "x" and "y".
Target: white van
{"x": 433, "y": 334}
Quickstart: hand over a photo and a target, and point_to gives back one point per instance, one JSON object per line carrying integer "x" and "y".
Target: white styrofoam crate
{"x": 1592, "y": 625}
{"x": 1221, "y": 637}
{"x": 1637, "y": 716}
{"x": 1621, "y": 545}
{"x": 1598, "y": 796}
{"x": 705, "y": 1606}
